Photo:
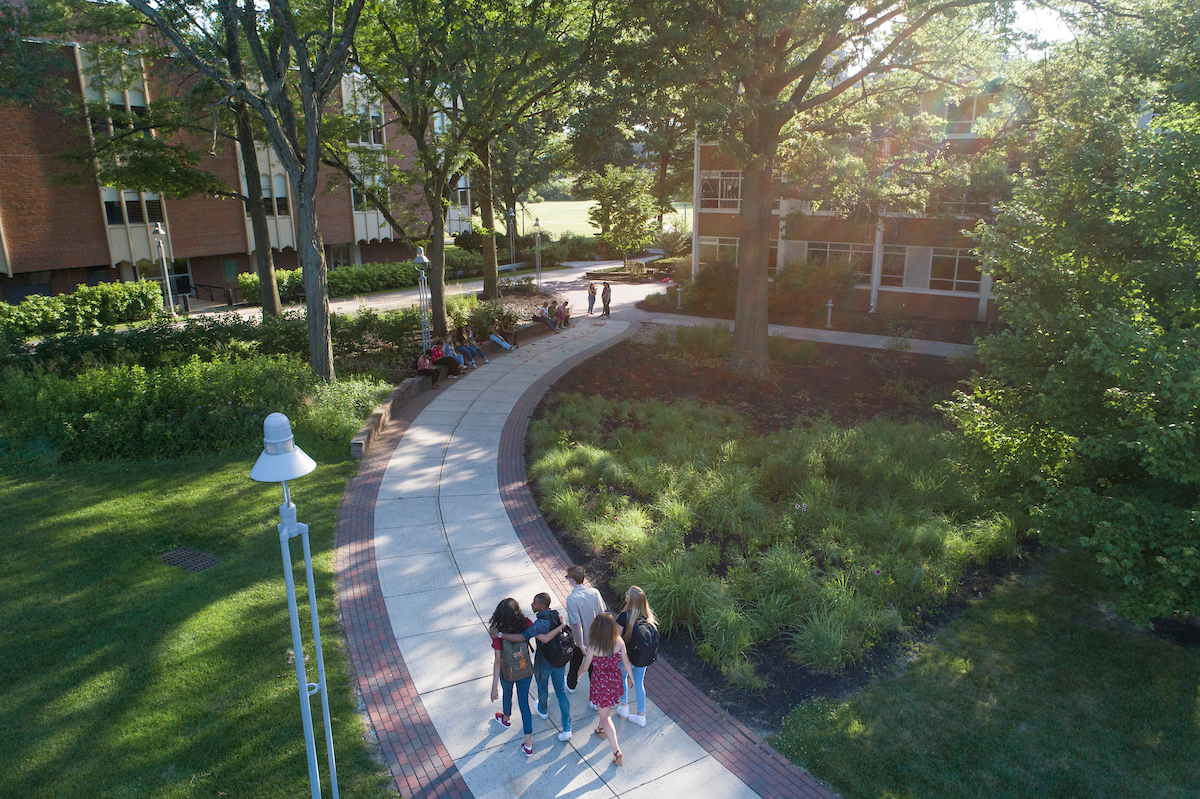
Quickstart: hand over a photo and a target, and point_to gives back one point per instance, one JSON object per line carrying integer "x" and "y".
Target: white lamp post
{"x": 537, "y": 239}
{"x": 512, "y": 241}
{"x": 159, "y": 233}
{"x": 422, "y": 261}
{"x": 280, "y": 462}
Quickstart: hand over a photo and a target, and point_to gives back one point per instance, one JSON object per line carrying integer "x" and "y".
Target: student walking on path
{"x": 546, "y": 629}
{"x": 512, "y": 667}
{"x": 584, "y": 604}
{"x": 638, "y": 628}
{"x": 607, "y": 658}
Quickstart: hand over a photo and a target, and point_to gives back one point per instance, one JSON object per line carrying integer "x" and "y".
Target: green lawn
{"x": 1035, "y": 692}
{"x": 126, "y": 677}
{"x": 570, "y": 216}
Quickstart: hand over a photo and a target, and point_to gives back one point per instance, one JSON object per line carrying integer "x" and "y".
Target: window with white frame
{"x": 714, "y": 250}
{"x": 721, "y": 190}
{"x": 837, "y": 254}
{"x": 264, "y": 183}
{"x": 281, "y": 195}
{"x": 113, "y": 211}
{"x": 954, "y": 270}
{"x": 892, "y": 272}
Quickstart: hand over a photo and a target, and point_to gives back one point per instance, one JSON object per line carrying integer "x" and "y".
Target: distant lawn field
{"x": 570, "y": 216}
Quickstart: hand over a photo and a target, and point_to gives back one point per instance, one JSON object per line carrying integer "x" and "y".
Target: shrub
{"x": 463, "y": 263}
{"x": 130, "y": 412}
{"x": 483, "y": 314}
{"x": 571, "y": 248}
{"x": 352, "y": 280}
{"x": 88, "y": 308}
{"x": 714, "y": 289}
{"x": 803, "y": 287}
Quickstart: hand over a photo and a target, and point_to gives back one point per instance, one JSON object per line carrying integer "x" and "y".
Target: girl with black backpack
{"x": 639, "y": 629}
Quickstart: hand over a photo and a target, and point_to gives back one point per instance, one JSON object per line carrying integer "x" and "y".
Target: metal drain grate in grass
{"x": 189, "y": 559}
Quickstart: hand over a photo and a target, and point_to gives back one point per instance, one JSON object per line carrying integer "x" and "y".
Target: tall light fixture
{"x": 422, "y": 261}
{"x": 280, "y": 462}
{"x": 159, "y": 234}
{"x": 512, "y": 240}
{"x": 537, "y": 239}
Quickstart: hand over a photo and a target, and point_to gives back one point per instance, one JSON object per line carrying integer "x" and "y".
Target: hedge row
{"x": 345, "y": 281}
{"x": 89, "y": 308}
{"x": 132, "y": 412}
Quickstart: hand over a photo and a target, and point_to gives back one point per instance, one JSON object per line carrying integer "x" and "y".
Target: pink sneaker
{"x": 503, "y": 723}
{"x": 528, "y": 750}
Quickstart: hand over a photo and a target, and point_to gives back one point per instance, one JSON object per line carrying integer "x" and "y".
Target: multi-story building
{"x": 918, "y": 265}
{"x": 56, "y": 236}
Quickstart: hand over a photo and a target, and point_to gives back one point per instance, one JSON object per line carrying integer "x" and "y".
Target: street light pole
{"x": 159, "y": 233}
{"x": 422, "y": 261}
{"x": 512, "y": 241}
{"x": 537, "y": 238}
{"x": 280, "y": 462}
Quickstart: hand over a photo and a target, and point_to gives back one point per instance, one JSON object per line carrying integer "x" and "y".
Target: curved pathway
{"x": 436, "y": 529}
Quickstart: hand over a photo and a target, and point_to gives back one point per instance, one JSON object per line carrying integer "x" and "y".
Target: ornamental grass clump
{"x": 831, "y": 538}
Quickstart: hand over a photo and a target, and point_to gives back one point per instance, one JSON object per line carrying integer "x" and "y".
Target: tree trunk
{"x": 664, "y": 163}
{"x": 750, "y": 320}
{"x": 482, "y": 188}
{"x": 311, "y": 252}
{"x": 435, "y": 273}
{"x": 268, "y": 289}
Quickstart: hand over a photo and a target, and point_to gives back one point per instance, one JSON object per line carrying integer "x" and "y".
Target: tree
{"x": 297, "y": 54}
{"x": 624, "y": 209}
{"x": 531, "y": 154}
{"x": 1086, "y": 412}
{"x": 764, "y": 67}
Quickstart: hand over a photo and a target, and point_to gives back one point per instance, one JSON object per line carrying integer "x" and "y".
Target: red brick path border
{"x": 752, "y": 760}
{"x": 411, "y": 746}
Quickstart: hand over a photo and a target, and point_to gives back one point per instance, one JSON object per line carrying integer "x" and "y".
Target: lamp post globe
{"x": 537, "y": 238}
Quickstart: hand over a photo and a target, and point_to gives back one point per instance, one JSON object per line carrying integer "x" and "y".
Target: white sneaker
{"x": 538, "y": 708}
{"x": 570, "y": 690}
{"x": 565, "y": 735}
{"x": 638, "y": 719}
{"x": 592, "y": 705}
{"x": 623, "y": 711}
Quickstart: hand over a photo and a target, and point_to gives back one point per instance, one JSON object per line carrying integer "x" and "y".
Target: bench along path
{"x": 438, "y": 527}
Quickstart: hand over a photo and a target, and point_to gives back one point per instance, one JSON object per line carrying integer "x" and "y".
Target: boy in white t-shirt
{"x": 584, "y": 604}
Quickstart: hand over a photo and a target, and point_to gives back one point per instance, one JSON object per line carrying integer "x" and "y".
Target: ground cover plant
{"x": 749, "y": 528}
{"x": 125, "y": 676}
{"x": 1039, "y": 689}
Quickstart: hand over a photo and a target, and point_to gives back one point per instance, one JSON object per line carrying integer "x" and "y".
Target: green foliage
{"x": 345, "y": 281}
{"x": 463, "y": 263}
{"x": 1086, "y": 412}
{"x": 624, "y": 209}
{"x": 570, "y": 248}
{"x": 826, "y": 536}
{"x": 129, "y": 412}
{"x": 88, "y": 308}
{"x": 713, "y": 290}
{"x": 483, "y": 314}
{"x": 804, "y": 287}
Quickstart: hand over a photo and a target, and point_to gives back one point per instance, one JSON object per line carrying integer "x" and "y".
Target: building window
{"x": 359, "y": 198}
{"x": 133, "y": 208}
{"x": 154, "y": 211}
{"x": 838, "y": 255}
{"x": 721, "y": 190}
{"x": 718, "y": 250}
{"x": 339, "y": 255}
{"x": 281, "y": 196}
{"x": 112, "y": 211}
{"x": 954, "y": 270}
{"x": 264, "y": 183}
{"x": 893, "y": 265}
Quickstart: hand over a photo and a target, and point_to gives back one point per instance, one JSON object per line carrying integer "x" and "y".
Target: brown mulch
{"x": 846, "y": 384}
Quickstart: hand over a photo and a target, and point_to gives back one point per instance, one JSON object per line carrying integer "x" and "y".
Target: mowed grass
{"x": 126, "y": 677}
{"x": 569, "y": 216}
{"x": 1035, "y": 691}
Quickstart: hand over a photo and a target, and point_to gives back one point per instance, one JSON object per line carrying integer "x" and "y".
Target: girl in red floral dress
{"x": 606, "y": 656}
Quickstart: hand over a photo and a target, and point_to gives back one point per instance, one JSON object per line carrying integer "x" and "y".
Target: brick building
{"x": 55, "y": 236}
{"x": 917, "y": 265}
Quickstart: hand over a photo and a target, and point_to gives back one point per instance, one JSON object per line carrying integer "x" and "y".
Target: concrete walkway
{"x": 436, "y": 530}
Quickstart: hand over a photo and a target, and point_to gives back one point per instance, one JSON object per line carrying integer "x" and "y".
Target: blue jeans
{"x": 639, "y": 673}
{"x": 501, "y": 342}
{"x": 506, "y": 688}
{"x": 543, "y": 672}
{"x": 467, "y": 351}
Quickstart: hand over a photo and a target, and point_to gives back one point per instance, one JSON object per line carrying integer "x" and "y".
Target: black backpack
{"x": 643, "y": 644}
{"x": 559, "y": 649}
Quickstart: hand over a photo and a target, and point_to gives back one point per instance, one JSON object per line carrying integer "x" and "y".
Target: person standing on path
{"x": 511, "y": 667}
{"x": 546, "y": 628}
{"x": 642, "y": 646}
{"x": 591, "y": 297}
{"x": 607, "y": 657}
{"x": 606, "y": 298}
{"x": 584, "y": 604}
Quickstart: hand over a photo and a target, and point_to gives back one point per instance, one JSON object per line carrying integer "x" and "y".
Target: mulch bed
{"x": 848, "y": 385}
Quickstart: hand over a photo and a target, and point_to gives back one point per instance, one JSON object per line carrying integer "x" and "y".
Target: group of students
{"x": 555, "y": 316}
{"x": 613, "y": 651}
{"x": 605, "y": 297}
{"x": 461, "y": 351}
